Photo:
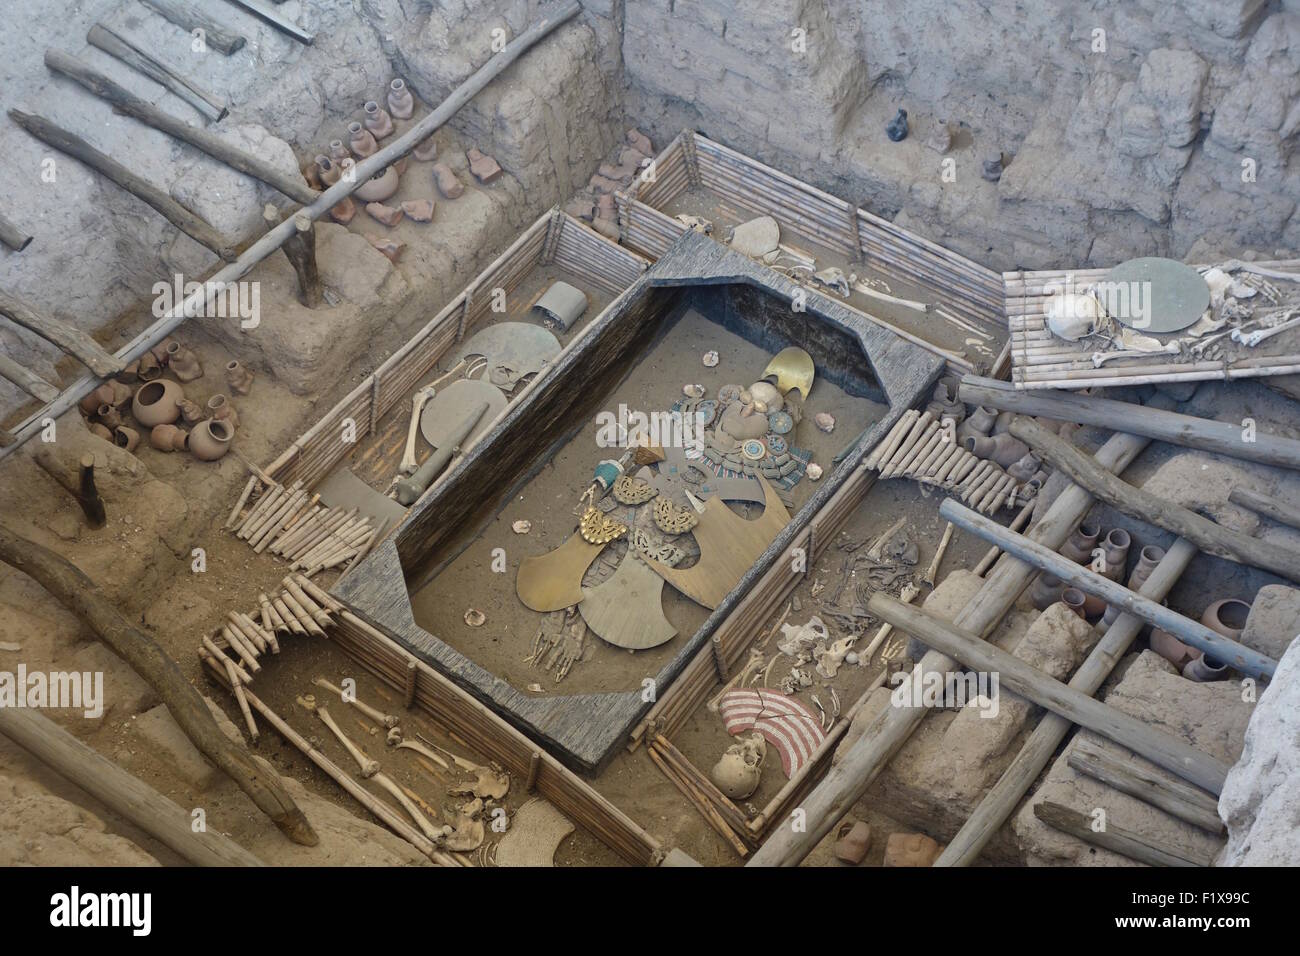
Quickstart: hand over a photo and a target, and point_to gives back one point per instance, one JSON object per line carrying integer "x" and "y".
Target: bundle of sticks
{"x": 918, "y": 446}
{"x": 299, "y": 607}
{"x": 291, "y": 523}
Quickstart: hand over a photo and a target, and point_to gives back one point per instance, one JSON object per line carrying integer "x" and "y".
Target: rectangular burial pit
{"x": 456, "y": 549}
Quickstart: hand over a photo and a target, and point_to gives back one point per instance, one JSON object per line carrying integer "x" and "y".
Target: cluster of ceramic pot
{"x": 1107, "y": 556}
{"x": 1226, "y": 617}
{"x": 156, "y": 404}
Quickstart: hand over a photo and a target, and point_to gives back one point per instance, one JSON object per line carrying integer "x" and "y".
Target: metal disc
{"x": 446, "y": 410}
{"x": 1154, "y": 295}
{"x": 754, "y": 449}
{"x": 780, "y": 422}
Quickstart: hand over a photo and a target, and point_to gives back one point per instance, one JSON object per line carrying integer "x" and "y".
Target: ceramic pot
{"x": 150, "y": 370}
{"x": 378, "y": 187}
{"x": 238, "y": 378}
{"x": 1045, "y": 591}
{"x": 191, "y": 412}
{"x": 426, "y": 151}
{"x": 400, "y": 102}
{"x": 980, "y": 421}
{"x": 1115, "y": 548}
{"x": 1148, "y": 558}
{"x": 185, "y": 365}
{"x": 360, "y": 141}
{"x": 103, "y": 395}
{"x": 854, "y": 839}
{"x": 220, "y": 409}
{"x": 1025, "y": 468}
{"x": 130, "y": 374}
{"x": 1076, "y": 601}
{"x": 1171, "y": 648}
{"x": 108, "y": 416}
{"x": 157, "y": 403}
{"x": 1003, "y": 449}
{"x": 1204, "y": 669}
{"x": 124, "y": 437}
{"x": 339, "y": 151}
{"x": 1227, "y": 617}
{"x": 1080, "y": 544}
{"x": 378, "y": 122}
{"x": 165, "y": 349}
{"x": 211, "y": 439}
{"x": 327, "y": 170}
{"x": 169, "y": 438}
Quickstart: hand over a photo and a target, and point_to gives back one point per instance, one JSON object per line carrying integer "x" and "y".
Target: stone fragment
{"x": 580, "y": 208}
{"x": 388, "y": 215}
{"x": 940, "y": 137}
{"x": 344, "y": 211}
{"x": 603, "y": 184}
{"x": 757, "y": 237}
{"x": 426, "y": 151}
{"x": 160, "y": 730}
{"x": 484, "y": 167}
{"x": 391, "y": 248}
{"x": 640, "y": 142}
{"x": 419, "y": 210}
{"x": 448, "y": 184}
{"x": 1274, "y": 620}
{"x": 911, "y": 849}
{"x": 125, "y": 692}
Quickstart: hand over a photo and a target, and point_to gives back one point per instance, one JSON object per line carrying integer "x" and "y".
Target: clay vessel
{"x": 1227, "y": 617}
{"x": 103, "y": 395}
{"x": 149, "y": 369}
{"x": 1205, "y": 669}
{"x": 165, "y": 349}
{"x": 1025, "y": 468}
{"x": 327, "y": 170}
{"x": 426, "y": 151}
{"x": 448, "y": 184}
{"x": 853, "y": 843}
{"x": 1080, "y": 544}
{"x": 101, "y": 431}
{"x": 169, "y": 438}
{"x": 360, "y": 140}
{"x": 238, "y": 378}
{"x": 1076, "y": 601}
{"x": 1045, "y": 591}
{"x": 1171, "y": 648}
{"x": 211, "y": 439}
{"x": 400, "y": 102}
{"x": 124, "y": 437}
{"x": 191, "y": 412}
{"x": 1148, "y": 558}
{"x": 185, "y": 365}
{"x": 157, "y": 403}
{"x": 221, "y": 410}
{"x": 378, "y": 187}
{"x": 108, "y": 415}
{"x": 377, "y": 120}
{"x": 1003, "y": 449}
{"x": 130, "y": 374}
{"x": 338, "y": 151}
{"x": 1115, "y": 548}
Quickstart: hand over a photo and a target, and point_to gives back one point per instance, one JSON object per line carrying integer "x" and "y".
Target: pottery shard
{"x": 484, "y": 167}
{"x": 448, "y": 184}
{"x": 911, "y": 849}
{"x": 620, "y": 174}
{"x": 385, "y": 214}
{"x": 640, "y": 142}
{"x": 420, "y": 210}
{"x": 389, "y": 247}
{"x": 603, "y": 184}
{"x": 344, "y": 211}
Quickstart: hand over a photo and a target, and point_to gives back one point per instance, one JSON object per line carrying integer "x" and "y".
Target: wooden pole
{"x": 84, "y": 492}
{"x": 1135, "y": 846}
{"x": 263, "y": 12}
{"x": 1163, "y": 749}
{"x": 1144, "y": 506}
{"x": 1173, "y": 796}
{"x": 124, "y": 101}
{"x": 1268, "y": 507}
{"x": 128, "y": 796}
{"x": 12, "y": 236}
{"x": 1041, "y": 746}
{"x": 83, "y": 597}
{"x": 300, "y": 250}
{"x": 76, "y": 147}
{"x": 71, "y": 340}
{"x": 118, "y": 46}
{"x": 1224, "y": 438}
{"x": 1245, "y": 659}
{"x": 398, "y": 147}
{"x": 187, "y": 17}
{"x": 862, "y": 762}
{"x": 27, "y": 380}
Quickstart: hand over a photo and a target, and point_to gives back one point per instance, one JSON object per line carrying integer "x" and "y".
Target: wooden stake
{"x": 71, "y": 340}
{"x": 1136, "y": 846}
{"x": 300, "y": 250}
{"x": 84, "y": 493}
{"x": 12, "y": 236}
{"x": 116, "y": 45}
{"x": 189, "y": 18}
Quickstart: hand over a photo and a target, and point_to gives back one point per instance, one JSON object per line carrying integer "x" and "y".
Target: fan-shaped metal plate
{"x": 512, "y": 350}
{"x": 447, "y": 410}
{"x": 1154, "y": 295}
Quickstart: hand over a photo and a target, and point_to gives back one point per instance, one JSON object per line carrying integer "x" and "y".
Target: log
{"x": 84, "y": 493}
{"x": 1041, "y": 745}
{"x": 881, "y": 739}
{"x": 27, "y": 380}
{"x": 300, "y": 250}
{"x": 71, "y": 340}
{"x": 190, "y": 18}
{"x": 1225, "y": 438}
{"x": 118, "y": 46}
{"x": 124, "y": 794}
{"x": 83, "y": 597}
{"x": 12, "y": 236}
{"x": 264, "y": 247}
{"x": 1245, "y": 659}
{"x": 1135, "y": 846}
{"x": 1268, "y": 507}
{"x": 263, "y": 12}
{"x": 76, "y": 147}
{"x": 1173, "y": 796}
{"x": 1163, "y": 749}
{"x": 124, "y": 101}
{"x": 1144, "y": 506}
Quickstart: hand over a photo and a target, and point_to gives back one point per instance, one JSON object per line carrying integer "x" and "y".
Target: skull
{"x": 738, "y": 771}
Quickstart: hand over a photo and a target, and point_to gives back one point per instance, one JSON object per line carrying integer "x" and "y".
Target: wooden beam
{"x": 118, "y": 46}
{"x": 84, "y": 492}
{"x": 285, "y": 26}
{"x": 27, "y": 380}
{"x": 1040, "y": 747}
{"x": 72, "y": 588}
{"x": 1144, "y": 506}
{"x": 12, "y": 236}
{"x": 1173, "y": 796}
{"x": 190, "y": 18}
{"x": 1268, "y": 507}
{"x": 76, "y": 147}
{"x": 862, "y": 762}
{"x": 1224, "y": 438}
{"x": 1165, "y": 750}
{"x": 1135, "y": 846}
{"x": 124, "y": 794}
{"x": 300, "y": 250}
{"x": 71, "y": 340}
{"x": 124, "y": 101}
{"x": 1245, "y": 659}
